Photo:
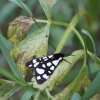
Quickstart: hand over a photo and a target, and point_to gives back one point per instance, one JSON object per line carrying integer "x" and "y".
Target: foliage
{"x": 83, "y": 84}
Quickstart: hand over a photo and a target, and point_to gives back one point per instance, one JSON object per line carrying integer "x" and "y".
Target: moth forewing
{"x": 45, "y": 66}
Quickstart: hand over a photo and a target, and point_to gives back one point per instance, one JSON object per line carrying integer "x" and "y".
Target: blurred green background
{"x": 64, "y": 10}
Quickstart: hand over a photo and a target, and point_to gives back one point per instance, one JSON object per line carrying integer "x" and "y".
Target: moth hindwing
{"x": 45, "y": 66}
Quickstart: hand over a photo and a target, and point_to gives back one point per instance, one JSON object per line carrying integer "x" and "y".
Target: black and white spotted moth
{"x": 45, "y": 66}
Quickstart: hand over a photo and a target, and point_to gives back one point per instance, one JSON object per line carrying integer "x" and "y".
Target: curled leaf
{"x": 18, "y": 29}
{"x": 36, "y": 44}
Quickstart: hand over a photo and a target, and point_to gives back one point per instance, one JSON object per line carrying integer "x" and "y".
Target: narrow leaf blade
{"x": 9, "y": 59}
{"x": 93, "y": 88}
{"x": 22, "y": 5}
{"x": 28, "y": 94}
{"x": 47, "y": 6}
{"x": 11, "y": 76}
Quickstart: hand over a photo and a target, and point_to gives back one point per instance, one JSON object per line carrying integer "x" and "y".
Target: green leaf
{"x": 28, "y": 94}
{"x": 7, "y": 88}
{"x": 93, "y": 88}
{"x": 16, "y": 2}
{"x": 47, "y": 7}
{"x": 11, "y": 76}
{"x": 88, "y": 34}
{"x": 22, "y": 5}
{"x": 9, "y": 59}
{"x": 76, "y": 84}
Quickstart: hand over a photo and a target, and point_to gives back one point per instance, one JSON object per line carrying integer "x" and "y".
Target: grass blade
{"x": 9, "y": 59}
{"x": 28, "y": 94}
{"x": 93, "y": 88}
{"x": 11, "y": 76}
{"x": 22, "y": 5}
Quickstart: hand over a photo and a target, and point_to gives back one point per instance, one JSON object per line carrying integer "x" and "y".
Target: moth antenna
{"x": 66, "y": 61}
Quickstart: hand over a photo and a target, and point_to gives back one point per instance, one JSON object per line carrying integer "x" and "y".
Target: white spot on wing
{"x": 43, "y": 66}
{"x": 39, "y": 58}
{"x": 35, "y": 65}
{"x": 55, "y": 62}
{"x": 34, "y": 61}
{"x": 60, "y": 58}
{"x": 44, "y": 57}
{"x": 30, "y": 65}
{"x": 39, "y": 71}
{"x": 49, "y": 64}
{"x": 50, "y": 56}
{"x": 45, "y": 76}
{"x": 52, "y": 68}
{"x": 38, "y": 77}
{"x": 49, "y": 71}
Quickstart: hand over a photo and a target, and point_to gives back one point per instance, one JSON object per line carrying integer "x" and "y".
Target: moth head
{"x": 29, "y": 64}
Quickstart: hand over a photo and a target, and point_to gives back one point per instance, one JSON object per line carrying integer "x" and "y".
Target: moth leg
{"x": 33, "y": 75}
{"x": 49, "y": 95}
{"x": 32, "y": 80}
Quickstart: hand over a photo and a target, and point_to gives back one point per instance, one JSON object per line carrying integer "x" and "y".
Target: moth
{"x": 44, "y": 66}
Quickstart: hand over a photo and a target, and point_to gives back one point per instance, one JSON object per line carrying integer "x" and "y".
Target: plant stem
{"x": 52, "y": 22}
{"x": 60, "y": 23}
{"x": 67, "y": 33}
{"x": 49, "y": 95}
{"x": 41, "y": 21}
